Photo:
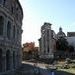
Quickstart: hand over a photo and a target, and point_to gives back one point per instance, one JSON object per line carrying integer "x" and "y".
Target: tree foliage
{"x": 61, "y": 44}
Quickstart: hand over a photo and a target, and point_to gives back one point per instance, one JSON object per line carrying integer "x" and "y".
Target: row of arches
{"x": 8, "y": 60}
{"x": 13, "y": 7}
{"x": 8, "y": 30}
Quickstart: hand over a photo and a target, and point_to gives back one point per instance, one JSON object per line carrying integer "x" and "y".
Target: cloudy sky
{"x": 36, "y": 12}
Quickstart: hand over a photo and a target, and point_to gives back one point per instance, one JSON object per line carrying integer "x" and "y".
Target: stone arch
{"x": 1, "y": 24}
{"x": 8, "y": 62}
{"x": 9, "y": 29}
{"x": 14, "y": 59}
{"x": 0, "y": 60}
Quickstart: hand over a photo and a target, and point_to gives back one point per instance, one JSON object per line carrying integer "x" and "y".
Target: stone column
{"x": 39, "y": 50}
{"x": 19, "y": 57}
{"x": 16, "y": 59}
{"x": 4, "y": 62}
{"x": 42, "y": 46}
{"x": 5, "y": 28}
{"x": 46, "y": 42}
{"x": 50, "y": 43}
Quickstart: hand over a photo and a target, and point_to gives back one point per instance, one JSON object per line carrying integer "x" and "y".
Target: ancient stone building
{"x": 47, "y": 41}
{"x": 11, "y": 16}
{"x": 58, "y": 46}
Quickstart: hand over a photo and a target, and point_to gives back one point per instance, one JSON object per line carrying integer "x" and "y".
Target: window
{"x": 13, "y": 31}
{"x": 16, "y": 12}
{"x": 0, "y": 60}
{"x": 9, "y": 30}
{"x": 4, "y": 2}
{"x": 14, "y": 59}
{"x": 17, "y": 32}
{"x": 8, "y": 59}
{"x": 12, "y": 9}
{"x": 1, "y": 25}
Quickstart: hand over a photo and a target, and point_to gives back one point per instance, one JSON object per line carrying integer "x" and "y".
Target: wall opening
{"x": 14, "y": 59}
{"x": 8, "y": 60}
{"x": 9, "y": 30}
{"x": 0, "y": 60}
{"x": 1, "y": 25}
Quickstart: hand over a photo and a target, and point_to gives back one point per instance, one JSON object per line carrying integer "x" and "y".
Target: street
{"x": 29, "y": 68}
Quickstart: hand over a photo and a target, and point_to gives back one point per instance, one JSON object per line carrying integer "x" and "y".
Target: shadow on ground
{"x": 27, "y": 69}
{"x": 63, "y": 73}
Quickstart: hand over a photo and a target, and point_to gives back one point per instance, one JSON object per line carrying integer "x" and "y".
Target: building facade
{"x": 58, "y": 46}
{"x": 47, "y": 41}
{"x": 11, "y": 16}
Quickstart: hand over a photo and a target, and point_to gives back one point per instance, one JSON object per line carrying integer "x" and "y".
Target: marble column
{"x": 42, "y": 51}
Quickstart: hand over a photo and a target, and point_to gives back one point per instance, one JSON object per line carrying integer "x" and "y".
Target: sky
{"x": 60, "y": 13}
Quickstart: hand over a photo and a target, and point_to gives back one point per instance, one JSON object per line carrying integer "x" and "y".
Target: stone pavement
{"x": 25, "y": 70}
{"x": 28, "y": 69}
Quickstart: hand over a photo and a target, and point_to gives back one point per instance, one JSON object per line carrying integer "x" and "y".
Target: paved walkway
{"x": 29, "y": 69}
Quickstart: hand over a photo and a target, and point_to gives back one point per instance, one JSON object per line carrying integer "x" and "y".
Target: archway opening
{"x": 1, "y": 25}
{"x": 9, "y": 29}
{"x": 14, "y": 31}
{"x": 14, "y": 59}
{"x": 8, "y": 60}
{"x": 0, "y": 60}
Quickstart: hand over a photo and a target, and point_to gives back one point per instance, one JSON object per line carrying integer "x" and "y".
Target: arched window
{"x": 0, "y": 60}
{"x": 8, "y": 60}
{"x": 9, "y": 30}
{"x": 17, "y": 8}
{"x": 13, "y": 59}
{"x": 13, "y": 31}
{"x": 1, "y": 25}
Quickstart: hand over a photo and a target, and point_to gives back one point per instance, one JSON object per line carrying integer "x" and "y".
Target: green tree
{"x": 71, "y": 48}
{"x": 61, "y": 44}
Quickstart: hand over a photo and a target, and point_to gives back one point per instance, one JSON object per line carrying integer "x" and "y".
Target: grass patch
{"x": 71, "y": 70}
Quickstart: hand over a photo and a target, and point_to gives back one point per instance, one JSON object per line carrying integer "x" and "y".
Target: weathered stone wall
{"x": 46, "y": 42}
{"x": 11, "y": 15}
